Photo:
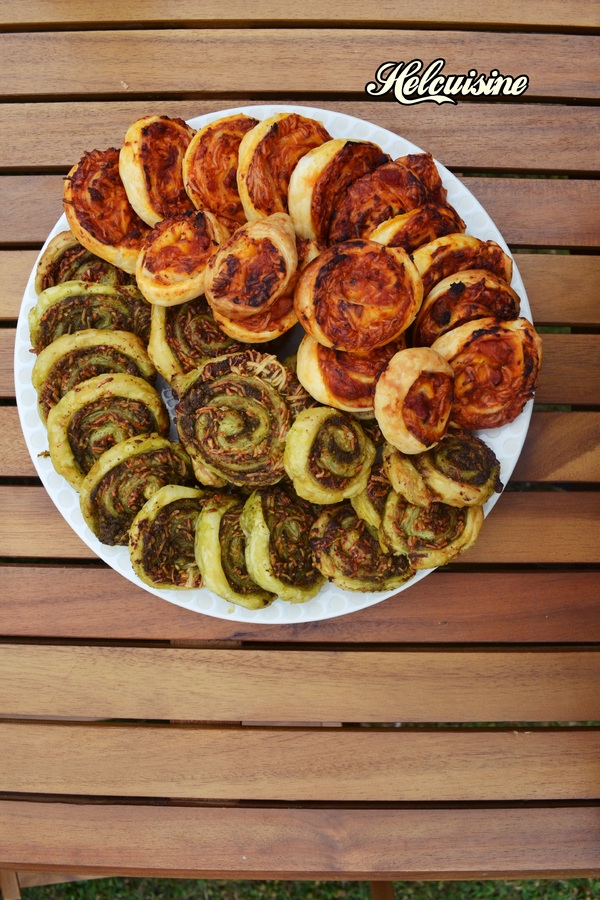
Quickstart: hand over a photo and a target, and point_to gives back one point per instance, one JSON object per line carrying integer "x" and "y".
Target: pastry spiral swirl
{"x": 221, "y": 554}
{"x": 418, "y": 226}
{"x": 370, "y": 503}
{"x": 468, "y": 295}
{"x": 74, "y": 358}
{"x": 456, "y": 252}
{"x": 461, "y": 470}
{"x": 184, "y": 336}
{"x": 210, "y": 168}
{"x": 327, "y": 455}
{"x": 348, "y": 553}
{"x": 162, "y": 538}
{"x": 98, "y": 414}
{"x": 78, "y": 306}
{"x": 123, "y": 478}
{"x": 358, "y": 295}
{"x": 261, "y": 327}
{"x": 234, "y": 416}
{"x": 278, "y": 555}
{"x": 404, "y": 476}
{"x": 65, "y": 259}
{"x": 429, "y": 536}
{"x": 496, "y": 366}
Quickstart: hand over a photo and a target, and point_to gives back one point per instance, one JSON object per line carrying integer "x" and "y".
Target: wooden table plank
{"x": 458, "y": 136}
{"x": 301, "y": 843}
{"x": 364, "y": 765}
{"x": 313, "y": 686}
{"x": 332, "y": 60}
{"x": 447, "y": 606}
{"x": 31, "y": 527}
{"x": 582, "y": 14}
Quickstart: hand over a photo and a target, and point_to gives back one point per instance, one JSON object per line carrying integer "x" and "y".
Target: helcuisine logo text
{"x": 412, "y": 83}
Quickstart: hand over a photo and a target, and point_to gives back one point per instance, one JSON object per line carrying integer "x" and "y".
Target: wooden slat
{"x": 65, "y": 13}
{"x": 32, "y": 527}
{"x": 447, "y": 606}
{"x": 458, "y": 136}
{"x": 32, "y": 205}
{"x": 271, "y": 764}
{"x": 562, "y": 289}
{"x": 557, "y": 66}
{"x": 367, "y": 686}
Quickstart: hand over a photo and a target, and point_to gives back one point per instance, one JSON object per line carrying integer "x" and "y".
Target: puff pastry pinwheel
{"x": 73, "y": 358}
{"x": 370, "y": 503}
{"x": 431, "y": 535}
{"x": 151, "y": 167}
{"x": 348, "y": 553}
{"x": 124, "y": 478}
{"x": 463, "y": 297}
{"x": 342, "y": 380}
{"x": 234, "y": 415}
{"x": 261, "y": 327}
{"x": 496, "y": 366}
{"x": 253, "y": 268}
{"x": 268, "y": 154}
{"x": 358, "y": 295}
{"x": 461, "y": 470}
{"x": 65, "y": 259}
{"x": 424, "y": 167}
{"x": 327, "y": 455}
{"x": 210, "y": 168}
{"x": 221, "y": 553}
{"x": 404, "y": 476}
{"x": 279, "y": 558}
{"x": 456, "y": 252}
{"x": 322, "y": 178}
{"x": 418, "y": 226}
{"x": 413, "y": 399}
{"x": 162, "y": 538}
{"x": 78, "y": 306}
{"x": 172, "y": 263}
{"x": 389, "y": 190}
{"x": 184, "y": 336}
{"x": 98, "y": 210}
{"x": 97, "y": 414}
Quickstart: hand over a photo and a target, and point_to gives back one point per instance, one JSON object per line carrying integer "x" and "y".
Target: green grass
{"x": 174, "y": 889}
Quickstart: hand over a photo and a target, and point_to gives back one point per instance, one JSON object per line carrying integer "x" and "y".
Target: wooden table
{"x": 139, "y": 738}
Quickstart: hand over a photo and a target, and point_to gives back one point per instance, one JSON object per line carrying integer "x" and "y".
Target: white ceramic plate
{"x": 506, "y": 442}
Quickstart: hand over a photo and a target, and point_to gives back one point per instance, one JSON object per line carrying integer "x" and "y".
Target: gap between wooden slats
{"x": 68, "y": 14}
{"x": 31, "y": 527}
{"x": 447, "y": 606}
{"x": 33, "y": 203}
{"x": 458, "y": 136}
{"x": 313, "y": 686}
{"x": 294, "y": 764}
{"x": 82, "y": 64}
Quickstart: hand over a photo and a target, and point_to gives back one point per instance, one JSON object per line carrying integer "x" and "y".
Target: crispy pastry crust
{"x": 253, "y": 268}
{"x": 456, "y": 252}
{"x": 413, "y": 399}
{"x": 418, "y": 226}
{"x": 342, "y": 380}
{"x": 210, "y": 168}
{"x": 268, "y": 155}
{"x": 358, "y": 295}
{"x": 263, "y": 326}
{"x": 150, "y": 163}
{"x": 322, "y": 178}
{"x": 172, "y": 263}
{"x": 496, "y": 366}
{"x": 472, "y": 294}
{"x": 65, "y": 259}
{"x": 424, "y": 167}
{"x": 99, "y": 212}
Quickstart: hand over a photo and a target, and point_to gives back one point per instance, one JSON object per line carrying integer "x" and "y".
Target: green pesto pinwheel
{"x": 74, "y": 358}
{"x": 347, "y": 552}
{"x": 96, "y": 415}
{"x": 123, "y": 478}
{"x": 327, "y": 455}
{"x": 279, "y": 558}
{"x": 76, "y": 306}
{"x": 65, "y": 259}
{"x": 461, "y": 470}
{"x": 428, "y": 536}
{"x": 221, "y": 553}
{"x": 370, "y": 503}
{"x": 162, "y": 538}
